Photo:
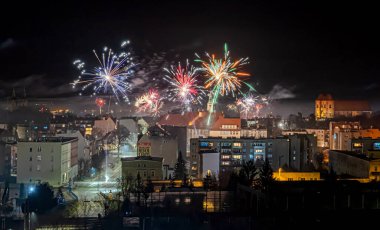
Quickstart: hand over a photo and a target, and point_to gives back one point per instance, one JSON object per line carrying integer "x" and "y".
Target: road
{"x": 88, "y": 191}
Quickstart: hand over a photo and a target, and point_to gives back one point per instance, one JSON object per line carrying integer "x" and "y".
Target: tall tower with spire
{"x": 15, "y": 102}
{"x": 210, "y": 104}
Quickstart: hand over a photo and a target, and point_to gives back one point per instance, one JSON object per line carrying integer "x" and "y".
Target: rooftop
{"x": 324, "y": 97}
{"x": 352, "y": 105}
{"x": 142, "y": 158}
{"x": 53, "y": 139}
{"x": 354, "y": 154}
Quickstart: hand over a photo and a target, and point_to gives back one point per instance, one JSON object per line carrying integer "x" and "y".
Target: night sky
{"x": 296, "y": 48}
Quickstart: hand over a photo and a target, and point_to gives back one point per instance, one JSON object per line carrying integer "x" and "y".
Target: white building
{"x": 128, "y": 125}
{"x": 49, "y": 159}
{"x": 341, "y": 133}
{"x": 254, "y": 133}
{"x": 322, "y": 135}
{"x": 104, "y": 126}
{"x": 83, "y": 144}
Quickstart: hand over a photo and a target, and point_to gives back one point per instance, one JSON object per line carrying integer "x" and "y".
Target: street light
{"x": 31, "y": 189}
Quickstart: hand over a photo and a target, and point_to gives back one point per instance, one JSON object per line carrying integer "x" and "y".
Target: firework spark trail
{"x": 183, "y": 85}
{"x": 223, "y": 75}
{"x": 111, "y": 76}
{"x": 250, "y": 105}
{"x": 150, "y": 102}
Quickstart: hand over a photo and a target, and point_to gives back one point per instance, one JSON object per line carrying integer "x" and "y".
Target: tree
{"x": 97, "y": 160}
{"x": 232, "y": 181}
{"x": 180, "y": 168}
{"x": 42, "y": 198}
{"x": 138, "y": 188}
{"x": 171, "y": 181}
{"x": 207, "y": 182}
{"x": 266, "y": 179}
{"x": 247, "y": 173}
{"x": 125, "y": 184}
{"x": 331, "y": 177}
{"x": 83, "y": 167}
{"x": 122, "y": 133}
{"x": 5, "y": 206}
{"x": 149, "y": 186}
{"x": 163, "y": 188}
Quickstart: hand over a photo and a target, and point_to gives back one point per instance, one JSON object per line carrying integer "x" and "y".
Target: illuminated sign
{"x": 144, "y": 144}
{"x": 204, "y": 144}
{"x": 376, "y": 146}
{"x": 358, "y": 145}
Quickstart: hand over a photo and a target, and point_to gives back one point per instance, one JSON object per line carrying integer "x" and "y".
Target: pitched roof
{"x": 352, "y": 105}
{"x": 221, "y": 120}
{"x": 142, "y": 158}
{"x": 324, "y": 97}
{"x": 177, "y": 119}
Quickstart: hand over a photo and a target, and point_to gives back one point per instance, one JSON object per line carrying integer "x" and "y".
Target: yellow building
{"x": 296, "y": 176}
{"x": 324, "y": 107}
{"x": 146, "y": 166}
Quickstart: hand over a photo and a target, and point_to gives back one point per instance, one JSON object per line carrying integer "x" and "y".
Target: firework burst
{"x": 183, "y": 85}
{"x": 111, "y": 76}
{"x": 150, "y": 102}
{"x": 223, "y": 75}
{"x": 250, "y": 105}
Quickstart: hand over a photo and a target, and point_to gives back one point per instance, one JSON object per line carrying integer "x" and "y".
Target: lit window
{"x": 225, "y": 163}
{"x": 187, "y": 200}
{"x": 38, "y": 157}
{"x": 38, "y": 168}
{"x": 236, "y": 156}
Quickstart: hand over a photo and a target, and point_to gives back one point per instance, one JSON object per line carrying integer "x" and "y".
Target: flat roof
{"x": 355, "y": 154}
{"x": 142, "y": 158}
{"x": 53, "y": 139}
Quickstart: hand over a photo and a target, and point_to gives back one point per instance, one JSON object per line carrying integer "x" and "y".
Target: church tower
{"x": 210, "y": 104}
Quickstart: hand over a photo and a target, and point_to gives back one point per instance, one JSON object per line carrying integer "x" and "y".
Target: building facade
{"x": 352, "y": 164}
{"x": 341, "y": 133}
{"x": 327, "y": 108}
{"x": 302, "y": 148}
{"x": 368, "y": 146}
{"x": 53, "y": 160}
{"x": 220, "y": 155}
{"x": 148, "y": 167}
{"x": 160, "y": 146}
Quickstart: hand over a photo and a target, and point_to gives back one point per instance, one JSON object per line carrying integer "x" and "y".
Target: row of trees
{"x": 252, "y": 176}
{"x": 249, "y": 175}
{"x": 41, "y": 199}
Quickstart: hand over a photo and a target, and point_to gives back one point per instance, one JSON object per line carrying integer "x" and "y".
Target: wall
{"x": 49, "y": 163}
{"x": 343, "y": 163}
{"x": 296, "y": 176}
{"x": 210, "y": 161}
{"x": 132, "y": 167}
